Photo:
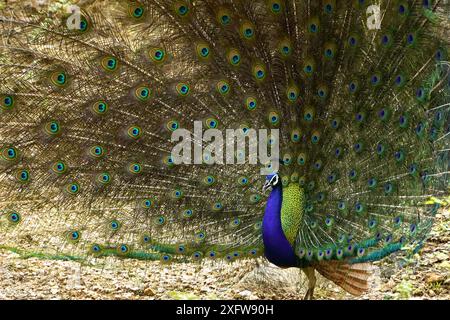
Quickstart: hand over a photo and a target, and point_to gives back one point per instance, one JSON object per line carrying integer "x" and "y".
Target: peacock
{"x": 354, "y": 95}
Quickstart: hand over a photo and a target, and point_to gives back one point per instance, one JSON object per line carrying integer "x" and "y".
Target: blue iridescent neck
{"x": 277, "y": 248}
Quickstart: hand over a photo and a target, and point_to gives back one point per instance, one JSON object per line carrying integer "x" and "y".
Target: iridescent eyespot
{"x": 14, "y": 217}
{"x": 315, "y": 137}
{"x": 329, "y": 221}
{"x": 295, "y": 135}
{"x": 384, "y": 114}
{"x": 301, "y": 159}
{"x": 7, "y": 102}
{"x": 274, "y": 118}
{"x": 123, "y": 249}
{"x": 332, "y": 177}
{"x": 95, "y": 249}
{"x": 183, "y": 89}
{"x": 200, "y": 236}
{"x": 308, "y": 114}
{"x": 342, "y": 205}
{"x": 353, "y": 86}
{"x": 234, "y": 57}
{"x": 197, "y": 256}
{"x": 403, "y": 9}
{"x": 411, "y": 39}
{"x": 96, "y": 151}
{"x": 403, "y": 121}
{"x": 84, "y": 24}
{"x": 399, "y": 156}
{"x": 235, "y": 223}
{"x": 157, "y": 54}
{"x": 159, "y": 221}
{"x": 353, "y": 41}
{"x": 52, "y": 128}
{"x": 9, "y": 154}
{"x": 188, "y": 213}
{"x": 143, "y": 93}
{"x": 224, "y": 17}
{"x": 313, "y": 25}
{"x": 421, "y": 94}
{"x": 177, "y": 194}
{"x": 217, "y": 206}
{"x": 73, "y": 188}
{"x": 134, "y": 132}
{"x": 59, "y": 78}
{"x": 209, "y": 180}
{"x": 247, "y": 31}
{"x": 251, "y": 103}
{"x": 136, "y": 11}
{"x": 358, "y": 147}
{"x": 285, "y": 48}
{"x": 211, "y": 123}
{"x": 147, "y": 203}
{"x": 375, "y": 79}
{"x": 386, "y": 40}
{"x": 223, "y": 87}
{"x": 287, "y": 159}
{"x": 23, "y": 175}
{"x": 322, "y": 92}
{"x": 104, "y": 178}
{"x": 275, "y": 6}
{"x": 172, "y": 125}
{"x": 73, "y": 236}
{"x": 372, "y": 183}
{"x": 59, "y": 167}
{"x": 109, "y": 63}
{"x": 292, "y": 93}
{"x": 146, "y": 239}
{"x": 399, "y": 81}
{"x": 388, "y": 188}
{"x": 181, "y": 8}
{"x": 243, "y": 181}
{"x": 259, "y": 71}
{"x": 309, "y": 67}
{"x": 328, "y": 7}
{"x": 203, "y": 50}
{"x": 135, "y": 168}
{"x": 114, "y": 225}
{"x": 100, "y": 107}
{"x": 359, "y": 207}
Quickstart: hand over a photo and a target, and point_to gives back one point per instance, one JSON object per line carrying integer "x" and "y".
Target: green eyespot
{"x": 109, "y": 63}
{"x": 59, "y": 167}
{"x": 134, "y": 132}
{"x": 14, "y": 217}
{"x": 23, "y": 175}
{"x": 100, "y": 107}
{"x": 182, "y": 89}
{"x": 7, "y": 102}
{"x": 52, "y": 128}
{"x": 247, "y": 30}
{"x": 136, "y": 11}
{"x": 143, "y": 93}
{"x": 203, "y": 50}
{"x": 9, "y": 154}
{"x": 59, "y": 79}
{"x": 157, "y": 54}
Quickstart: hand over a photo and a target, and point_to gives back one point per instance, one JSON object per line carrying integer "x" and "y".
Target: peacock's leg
{"x": 310, "y": 274}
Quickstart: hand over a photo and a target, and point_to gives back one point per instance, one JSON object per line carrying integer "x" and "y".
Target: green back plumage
{"x": 87, "y": 117}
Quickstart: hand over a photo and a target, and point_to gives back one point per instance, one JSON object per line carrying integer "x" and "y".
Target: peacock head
{"x": 272, "y": 180}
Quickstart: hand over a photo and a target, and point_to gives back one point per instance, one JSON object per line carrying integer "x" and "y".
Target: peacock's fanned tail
{"x": 87, "y": 115}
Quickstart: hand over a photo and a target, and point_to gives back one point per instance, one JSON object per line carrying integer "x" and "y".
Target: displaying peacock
{"x": 359, "y": 92}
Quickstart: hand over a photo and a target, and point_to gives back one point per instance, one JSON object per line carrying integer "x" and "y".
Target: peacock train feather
{"x": 363, "y": 113}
